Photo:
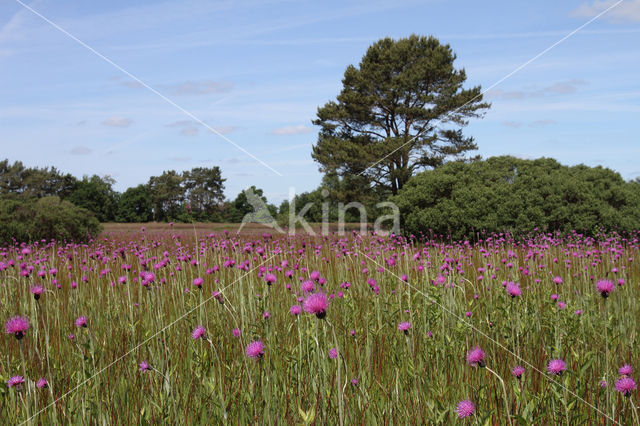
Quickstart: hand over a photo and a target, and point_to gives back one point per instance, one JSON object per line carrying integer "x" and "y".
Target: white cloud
{"x": 203, "y": 87}
{"x": 117, "y": 122}
{"x": 192, "y": 127}
{"x": 81, "y": 150}
{"x": 542, "y": 123}
{"x": 560, "y": 88}
{"x": 512, "y": 124}
{"x": 626, "y": 11}
{"x": 292, "y": 130}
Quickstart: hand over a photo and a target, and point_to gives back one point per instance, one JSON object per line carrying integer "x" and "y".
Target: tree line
{"x": 196, "y": 194}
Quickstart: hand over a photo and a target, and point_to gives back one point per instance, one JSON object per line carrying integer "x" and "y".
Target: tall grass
{"x": 454, "y": 298}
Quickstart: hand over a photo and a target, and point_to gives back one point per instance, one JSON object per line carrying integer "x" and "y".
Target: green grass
{"x": 402, "y": 379}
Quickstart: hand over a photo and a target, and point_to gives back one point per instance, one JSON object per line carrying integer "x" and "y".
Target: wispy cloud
{"x": 627, "y": 11}
{"x": 512, "y": 124}
{"x": 560, "y": 88}
{"x": 542, "y": 123}
{"x": 117, "y": 122}
{"x": 202, "y": 87}
{"x": 192, "y": 128}
{"x": 81, "y": 150}
{"x": 180, "y": 159}
{"x": 292, "y": 130}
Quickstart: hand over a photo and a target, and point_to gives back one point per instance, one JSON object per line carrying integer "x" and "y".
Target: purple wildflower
{"x": 476, "y": 357}
{"x": 255, "y": 349}
{"x": 17, "y": 326}
{"x": 465, "y": 408}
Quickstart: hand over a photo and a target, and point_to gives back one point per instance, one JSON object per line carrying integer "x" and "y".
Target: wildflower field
{"x": 187, "y": 326}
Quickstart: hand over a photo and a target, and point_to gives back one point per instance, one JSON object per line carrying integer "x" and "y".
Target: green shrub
{"x": 510, "y": 194}
{"x": 45, "y": 218}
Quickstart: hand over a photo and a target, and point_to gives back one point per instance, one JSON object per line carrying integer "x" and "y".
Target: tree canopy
{"x": 506, "y": 193}
{"x": 400, "y": 111}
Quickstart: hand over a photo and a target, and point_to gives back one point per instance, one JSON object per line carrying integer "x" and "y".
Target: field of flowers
{"x": 185, "y": 327}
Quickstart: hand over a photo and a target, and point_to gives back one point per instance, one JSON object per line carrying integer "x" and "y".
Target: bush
{"x": 45, "y": 218}
{"x": 509, "y": 194}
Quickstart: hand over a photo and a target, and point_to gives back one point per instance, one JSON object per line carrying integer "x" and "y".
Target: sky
{"x": 132, "y": 88}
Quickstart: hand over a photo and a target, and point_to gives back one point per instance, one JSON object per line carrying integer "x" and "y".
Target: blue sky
{"x": 256, "y": 71}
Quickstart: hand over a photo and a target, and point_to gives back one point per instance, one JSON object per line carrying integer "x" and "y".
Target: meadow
{"x": 196, "y": 325}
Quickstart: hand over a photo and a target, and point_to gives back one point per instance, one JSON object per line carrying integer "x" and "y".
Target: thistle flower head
{"x": 81, "y": 322}
{"x": 556, "y": 366}
{"x": 199, "y": 333}
{"x": 625, "y": 385}
{"x": 517, "y": 371}
{"x": 605, "y": 287}
{"x": 317, "y": 304}
{"x": 17, "y": 326}
{"x": 476, "y": 357}
{"x": 465, "y": 408}
{"x": 15, "y": 381}
{"x": 255, "y": 349}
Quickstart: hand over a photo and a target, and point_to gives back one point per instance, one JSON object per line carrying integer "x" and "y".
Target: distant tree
{"x": 506, "y": 193}
{"x": 18, "y": 180}
{"x": 404, "y": 106}
{"x": 96, "y": 194}
{"x": 25, "y": 220}
{"x": 167, "y": 195}
{"x": 136, "y": 205}
{"x": 251, "y": 202}
{"x": 204, "y": 191}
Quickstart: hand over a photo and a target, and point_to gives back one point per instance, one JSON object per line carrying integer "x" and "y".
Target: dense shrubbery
{"x": 45, "y": 218}
{"x": 506, "y": 193}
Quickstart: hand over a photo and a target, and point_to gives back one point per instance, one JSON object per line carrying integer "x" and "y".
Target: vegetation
{"x": 138, "y": 328}
{"x": 505, "y": 193}
{"x": 45, "y": 218}
{"x": 399, "y": 111}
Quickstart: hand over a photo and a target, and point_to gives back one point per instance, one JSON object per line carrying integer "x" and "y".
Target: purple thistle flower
{"x": 518, "y": 371}
{"x": 625, "y": 370}
{"x": 266, "y": 315}
{"x": 317, "y": 304}
{"x": 17, "y": 326}
{"x": 354, "y": 381}
{"x": 236, "y": 332}
{"x": 605, "y": 287}
{"x": 42, "y": 383}
{"x": 198, "y": 282}
{"x": 513, "y": 289}
{"x": 333, "y": 353}
{"x": 144, "y": 367}
{"x": 15, "y": 381}
{"x": 625, "y": 385}
{"x": 255, "y": 349}
{"x": 556, "y": 366}
{"x": 81, "y": 322}
{"x": 404, "y": 327}
{"x": 307, "y": 286}
{"x": 465, "y": 408}
{"x": 37, "y": 291}
{"x": 476, "y": 357}
{"x": 199, "y": 333}
{"x": 270, "y": 279}
{"x": 295, "y": 310}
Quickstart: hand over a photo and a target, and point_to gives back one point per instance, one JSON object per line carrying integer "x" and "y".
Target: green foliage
{"x": 135, "y": 205}
{"x": 251, "y": 202}
{"x": 505, "y": 193}
{"x": 45, "y": 218}
{"x": 401, "y": 108}
{"x": 193, "y": 195}
{"x": 16, "y": 179}
{"x": 96, "y": 195}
